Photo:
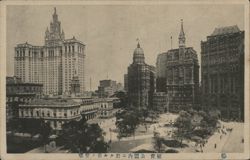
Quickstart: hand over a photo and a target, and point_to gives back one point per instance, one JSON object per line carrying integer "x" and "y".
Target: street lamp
{"x": 110, "y": 134}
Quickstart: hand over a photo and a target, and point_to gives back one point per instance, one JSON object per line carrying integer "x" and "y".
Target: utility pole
{"x": 171, "y": 42}
{"x": 90, "y": 81}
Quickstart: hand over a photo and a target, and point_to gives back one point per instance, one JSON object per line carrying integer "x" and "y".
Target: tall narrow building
{"x": 222, "y": 69}
{"x": 161, "y": 72}
{"x": 182, "y": 73}
{"x": 141, "y": 81}
{"x": 52, "y": 64}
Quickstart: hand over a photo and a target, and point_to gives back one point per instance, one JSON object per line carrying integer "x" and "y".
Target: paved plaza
{"x": 225, "y": 141}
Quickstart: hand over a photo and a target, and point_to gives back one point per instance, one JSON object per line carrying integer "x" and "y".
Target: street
{"x": 230, "y": 142}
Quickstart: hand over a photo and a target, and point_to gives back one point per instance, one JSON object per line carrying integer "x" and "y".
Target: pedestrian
{"x": 215, "y": 145}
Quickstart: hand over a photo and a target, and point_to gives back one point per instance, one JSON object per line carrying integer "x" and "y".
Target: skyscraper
{"x": 222, "y": 69}
{"x": 126, "y": 82}
{"x": 182, "y": 72}
{"x": 141, "y": 80}
{"x": 53, "y": 64}
{"x": 161, "y": 72}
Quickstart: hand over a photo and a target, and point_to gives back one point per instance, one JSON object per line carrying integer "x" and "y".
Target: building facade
{"x": 141, "y": 81}
{"x": 106, "y": 108}
{"x": 18, "y": 93}
{"x": 53, "y": 64}
{"x": 57, "y": 111}
{"x": 222, "y": 69}
{"x": 54, "y": 111}
{"x": 108, "y": 88}
{"x": 161, "y": 72}
{"x": 182, "y": 76}
{"x": 126, "y": 82}
{"x": 160, "y": 101}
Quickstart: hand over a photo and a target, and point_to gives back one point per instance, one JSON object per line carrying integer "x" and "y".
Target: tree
{"x": 31, "y": 126}
{"x": 81, "y": 137}
{"x": 45, "y": 132}
{"x": 158, "y": 143}
{"x": 14, "y": 125}
{"x": 145, "y": 113}
{"x": 194, "y": 123}
{"x": 153, "y": 115}
{"x": 184, "y": 126}
{"x": 123, "y": 99}
{"x": 127, "y": 122}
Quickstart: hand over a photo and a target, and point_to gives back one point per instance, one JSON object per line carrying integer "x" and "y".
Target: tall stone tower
{"x": 182, "y": 41}
{"x": 182, "y": 75}
{"x": 55, "y": 35}
{"x": 141, "y": 80}
{"x": 53, "y": 64}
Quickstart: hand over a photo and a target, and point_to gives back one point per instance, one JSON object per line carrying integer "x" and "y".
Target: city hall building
{"x": 58, "y": 111}
{"x": 182, "y": 73}
{"x": 55, "y": 64}
{"x": 222, "y": 69}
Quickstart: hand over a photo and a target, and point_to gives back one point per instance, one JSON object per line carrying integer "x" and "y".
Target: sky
{"x": 110, "y": 31}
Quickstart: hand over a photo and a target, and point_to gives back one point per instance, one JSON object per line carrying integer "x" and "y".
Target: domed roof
{"x": 138, "y": 56}
{"x": 138, "y": 50}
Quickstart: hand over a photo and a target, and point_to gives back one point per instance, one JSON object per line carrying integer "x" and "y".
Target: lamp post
{"x": 110, "y": 134}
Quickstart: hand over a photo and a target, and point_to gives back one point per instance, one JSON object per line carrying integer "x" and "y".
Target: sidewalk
{"x": 231, "y": 142}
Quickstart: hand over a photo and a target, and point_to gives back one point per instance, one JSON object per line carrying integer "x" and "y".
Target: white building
{"x": 53, "y": 64}
{"x": 106, "y": 108}
{"x": 58, "y": 111}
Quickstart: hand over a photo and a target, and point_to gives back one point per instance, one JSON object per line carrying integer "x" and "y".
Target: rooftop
{"x": 73, "y": 40}
{"x": 16, "y": 81}
{"x": 53, "y": 102}
{"x": 26, "y": 44}
{"x": 187, "y": 49}
{"x": 225, "y": 30}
